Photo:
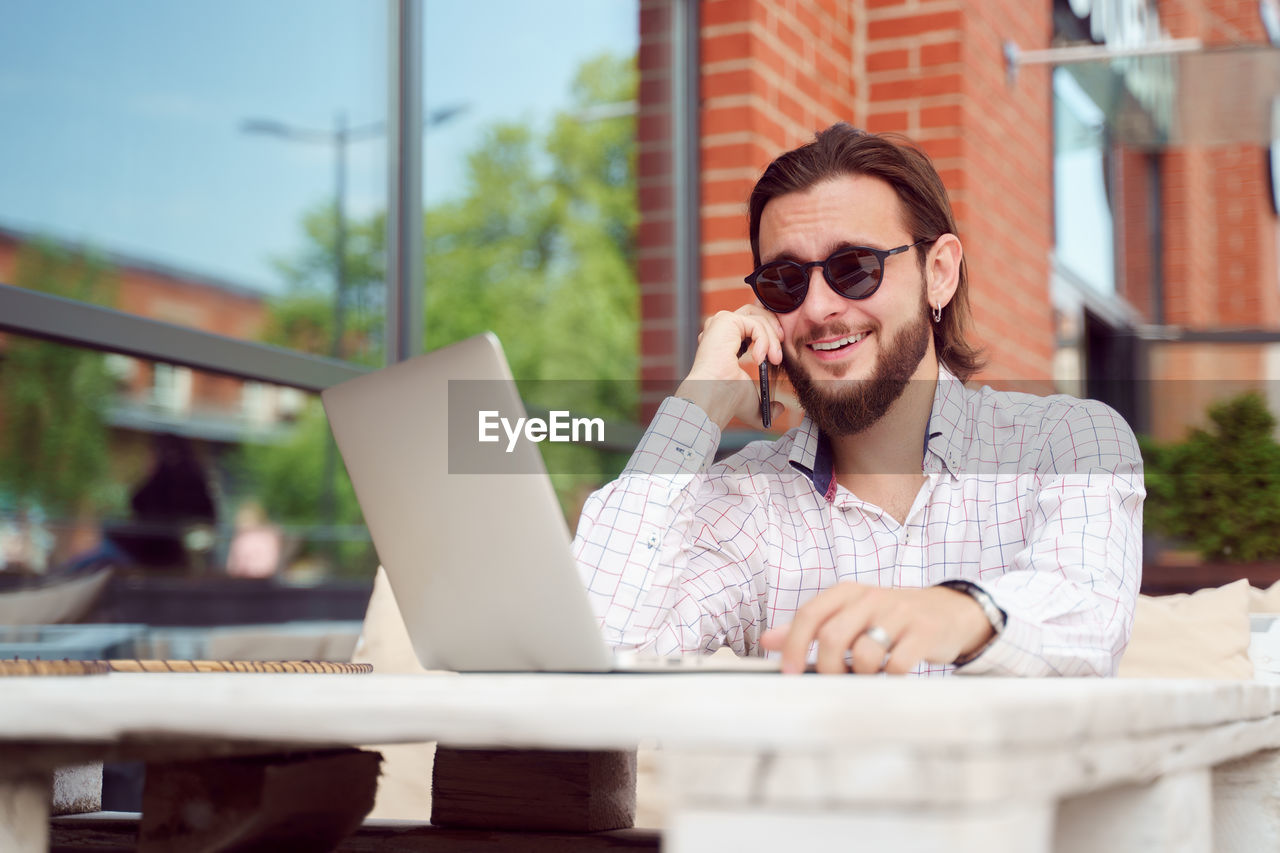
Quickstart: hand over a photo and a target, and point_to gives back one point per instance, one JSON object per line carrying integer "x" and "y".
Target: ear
{"x": 942, "y": 270}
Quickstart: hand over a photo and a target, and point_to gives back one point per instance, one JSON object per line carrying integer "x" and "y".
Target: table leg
{"x": 1173, "y": 814}
{"x": 24, "y": 812}
{"x": 299, "y": 802}
{"x": 534, "y": 789}
{"x": 1008, "y": 828}
{"x": 1245, "y": 797}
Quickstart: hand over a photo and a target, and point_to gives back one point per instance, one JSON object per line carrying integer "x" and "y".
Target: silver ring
{"x": 880, "y": 636}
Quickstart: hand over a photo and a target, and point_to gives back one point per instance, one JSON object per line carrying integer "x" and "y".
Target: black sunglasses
{"x": 854, "y": 272}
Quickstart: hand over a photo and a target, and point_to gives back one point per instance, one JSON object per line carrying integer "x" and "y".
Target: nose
{"x": 821, "y": 303}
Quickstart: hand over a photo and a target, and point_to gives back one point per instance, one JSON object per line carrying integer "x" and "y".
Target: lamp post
{"x": 341, "y": 136}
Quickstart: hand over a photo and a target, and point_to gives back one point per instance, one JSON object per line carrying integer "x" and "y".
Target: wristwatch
{"x": 990, "y": 609}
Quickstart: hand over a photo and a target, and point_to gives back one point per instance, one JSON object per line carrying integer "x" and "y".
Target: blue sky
{"x": 121, "y": 120}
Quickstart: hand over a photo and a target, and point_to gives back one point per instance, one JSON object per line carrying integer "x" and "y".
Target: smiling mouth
{"x": 840, "y": 343}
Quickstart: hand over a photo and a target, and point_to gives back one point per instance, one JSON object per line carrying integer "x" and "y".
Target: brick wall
{"x": 655, "y": 251}
{"x": 1219, "y": 230}
{"x": 774, "y": 71}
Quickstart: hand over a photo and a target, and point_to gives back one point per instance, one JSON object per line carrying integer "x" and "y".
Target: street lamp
{"x": 341, "y": 135}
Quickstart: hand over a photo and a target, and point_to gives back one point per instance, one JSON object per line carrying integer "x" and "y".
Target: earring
{"x": 937, "y": 313}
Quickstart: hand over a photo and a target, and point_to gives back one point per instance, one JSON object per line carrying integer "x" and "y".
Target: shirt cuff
{"x": 1012, "y": 652}
{"x": 681, "y": 440}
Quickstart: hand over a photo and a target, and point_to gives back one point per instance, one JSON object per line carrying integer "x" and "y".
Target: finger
{"x": 906, "y": 656}
{"x": 837, "y": 635}
{"x": 804, "y": 627}
{"x": 773, "y": 639}
{"x": 868, "y": 655}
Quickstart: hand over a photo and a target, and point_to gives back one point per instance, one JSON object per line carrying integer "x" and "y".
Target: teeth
{"x": 843, "y": 342}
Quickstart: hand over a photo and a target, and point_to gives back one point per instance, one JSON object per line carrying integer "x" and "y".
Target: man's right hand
{"x": 718, "y": 382}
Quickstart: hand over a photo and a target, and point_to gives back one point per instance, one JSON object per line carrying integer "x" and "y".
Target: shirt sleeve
{"x": 661, "y": 549}
{"x": 1071, "y": 591}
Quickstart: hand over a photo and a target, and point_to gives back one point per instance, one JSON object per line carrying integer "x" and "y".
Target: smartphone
{"x": 766, "y": 408}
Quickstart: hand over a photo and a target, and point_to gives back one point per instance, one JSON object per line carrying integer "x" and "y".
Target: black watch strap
{"x": 990, "y": 609}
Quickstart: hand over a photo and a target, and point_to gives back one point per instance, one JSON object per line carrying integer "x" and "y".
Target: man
{"x": 909, "y": 524}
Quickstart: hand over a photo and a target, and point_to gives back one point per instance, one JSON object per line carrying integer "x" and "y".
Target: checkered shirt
{"x": 1037, "y": 500}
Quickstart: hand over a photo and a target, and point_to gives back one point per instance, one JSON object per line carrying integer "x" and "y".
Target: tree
{"x": 539, "y": 248}
{"x": 53, "y": 399}
{"x": 304, "y": 317}
{"x": 1220, "y": 488}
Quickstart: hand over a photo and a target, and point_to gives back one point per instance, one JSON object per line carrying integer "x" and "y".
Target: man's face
{"x": 849, "y": 360}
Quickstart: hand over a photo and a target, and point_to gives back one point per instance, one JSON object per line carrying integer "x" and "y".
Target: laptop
{"x": 470, "y": 533}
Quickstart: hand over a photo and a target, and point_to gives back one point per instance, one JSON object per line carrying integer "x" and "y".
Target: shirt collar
{"x": 944, "y": 439}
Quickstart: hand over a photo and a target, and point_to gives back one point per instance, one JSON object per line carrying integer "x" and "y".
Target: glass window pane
{"x": 222, "y": 158}
{"x": 530, "y": 203}
{"x": 213, "y": 500}
{"x": 1083, "y": 223}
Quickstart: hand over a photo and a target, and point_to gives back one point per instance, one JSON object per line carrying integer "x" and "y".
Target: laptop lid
{"x": 480, "y": 563}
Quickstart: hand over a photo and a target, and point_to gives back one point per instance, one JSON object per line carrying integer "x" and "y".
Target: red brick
{"x": 728, "y": 156}
{"x": 654, "y": 162}
{"x": 654, "y": 54}
{"x": 654, "y": 340}
{"x": 888, "y": 60}
{"x": 654, "y": 126}
{"x": 654, "y": 197}
{"x": 726, "y": 191}
{"x": 724, "y": 83}
{"x": 948, "y": 115}
{"x": 653, "y": 305}
{"x": 655, "y": 18}
{"x": 913, "y": 25}
{"x": 714, "y": 13}
{"x": 731, "y": 265}
{"x": 654, "y": 232}
{"x": 895, "y": 90}
{"x": 940, "y": 149}
{"x": 717, "y": 228}
{"x": 941, "y": 84}
{"x": 940, "y": 54}
{"x": 890, "y": 122}
{"x": 654, "y": 92}
{"x": 730, "y": 299}
{"x": 660, "y": 269}
{"x": 717, "y": 121}
{"x": 725, "y": 47}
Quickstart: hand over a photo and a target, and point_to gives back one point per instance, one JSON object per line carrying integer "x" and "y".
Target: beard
{"x": 849, "y": 406}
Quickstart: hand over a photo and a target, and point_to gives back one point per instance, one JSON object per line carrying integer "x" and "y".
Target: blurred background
{"x": 211, "y": 211}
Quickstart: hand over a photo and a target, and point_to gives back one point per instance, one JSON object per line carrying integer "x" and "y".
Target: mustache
{"x": 834, "y": 330}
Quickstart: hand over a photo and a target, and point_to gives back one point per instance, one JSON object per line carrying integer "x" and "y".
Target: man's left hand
{"x": 934, "y": 624}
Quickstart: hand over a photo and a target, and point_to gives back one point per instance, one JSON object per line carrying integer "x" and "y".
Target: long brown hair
{"x": 845, "y": 150}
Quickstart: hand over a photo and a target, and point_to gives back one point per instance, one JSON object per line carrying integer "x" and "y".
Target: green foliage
{"x": 1219, "y": 489}
{"x": 53, "y": 399}
{"x": 304, "y": 317}
{"x": 538, "y": 248}
{"x": 289, "y": 479}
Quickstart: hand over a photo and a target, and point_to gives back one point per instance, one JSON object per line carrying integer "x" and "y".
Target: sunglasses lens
{"x": 781, "y": 287}
{"x": 854, "y": 274}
